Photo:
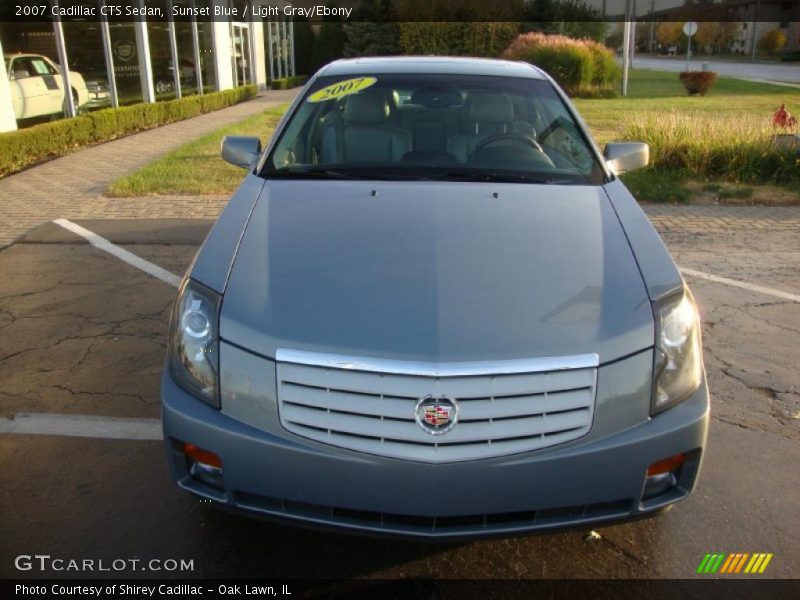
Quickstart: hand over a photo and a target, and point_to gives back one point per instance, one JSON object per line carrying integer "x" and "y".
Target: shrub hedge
{"x": 606, "y": 72}
{"x": 19, "y": 149}
{"x": 286, "y": 83}
{"x": 581, "y": 67}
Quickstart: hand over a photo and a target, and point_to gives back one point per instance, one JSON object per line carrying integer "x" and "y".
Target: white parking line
{"x": 742, "y": 284}
{"x": 172, "y": 279}
{"x": 85, "y": 426}
{"x": 122, "y": 254}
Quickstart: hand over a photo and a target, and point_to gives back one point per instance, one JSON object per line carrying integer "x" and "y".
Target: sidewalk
{"x": 71, "y": 186}
{"x": 699, "y": 219}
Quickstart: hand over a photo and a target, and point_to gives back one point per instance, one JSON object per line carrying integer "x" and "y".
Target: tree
{"x": 372, "y": 31}
{"x": 467, "y": 38}
{"x": 614, "y": 40}
{"x": 669, "y": 33}
{"x": 771, "y": 41}
{"x": 716, "y": 36}
{"x": 303, "y": 46}
{"x": 457, "y": 27}
{"x": 329, "y": 44}
{"x": 573, "y": 18}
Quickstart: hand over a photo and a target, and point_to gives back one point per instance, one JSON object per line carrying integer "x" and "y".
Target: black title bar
{"x": 439, "y": 589}
{"x": 543, "y": 11}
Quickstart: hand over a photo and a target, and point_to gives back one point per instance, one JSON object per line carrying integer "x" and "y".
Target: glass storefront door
{"x": 241, "y": 54}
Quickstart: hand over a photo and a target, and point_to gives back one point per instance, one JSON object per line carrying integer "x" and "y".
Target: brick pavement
{"x": 71, "y": 186}
{"x": 665, "y": 217}
{"x": 699, "y": 219}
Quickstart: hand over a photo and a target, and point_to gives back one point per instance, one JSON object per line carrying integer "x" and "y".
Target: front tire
{"x": 163, "y": 86}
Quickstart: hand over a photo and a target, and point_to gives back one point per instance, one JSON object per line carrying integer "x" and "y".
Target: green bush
{"x": 657, "y": 185}
{"x": 606, "y": 70}
{"x": 579, "y": 66}
{"x": 286, "y": 83}
{"x": 20, "y": 149}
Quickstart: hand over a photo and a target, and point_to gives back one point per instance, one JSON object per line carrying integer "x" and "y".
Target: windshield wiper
{"x": 312, "y": 173}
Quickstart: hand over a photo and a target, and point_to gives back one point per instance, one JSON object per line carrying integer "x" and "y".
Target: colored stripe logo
{"x": 736, "y": 563}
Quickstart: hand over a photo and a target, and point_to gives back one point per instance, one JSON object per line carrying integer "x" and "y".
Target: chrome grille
{"x": 368, "y": 405}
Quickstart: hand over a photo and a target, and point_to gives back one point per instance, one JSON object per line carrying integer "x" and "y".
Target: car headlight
{"x": 678, "y": 361}
{"x": 194, "y": 345}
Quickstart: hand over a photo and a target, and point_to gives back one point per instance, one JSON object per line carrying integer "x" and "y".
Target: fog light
{"x": 204, "y": 466}
{"x": 658, "y": 484}
{"x": 662, "y": 476}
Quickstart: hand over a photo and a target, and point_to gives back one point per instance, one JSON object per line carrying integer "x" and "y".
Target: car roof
{"x": 10, "y": 57}
{"x": 445, "y": 65}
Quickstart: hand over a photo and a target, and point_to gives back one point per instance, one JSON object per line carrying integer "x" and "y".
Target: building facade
{"x": 122, "y": 62}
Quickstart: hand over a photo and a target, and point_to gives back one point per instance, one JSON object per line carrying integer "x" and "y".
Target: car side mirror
{"x": 623, "y": 157}
{"x": 240, "y": 150}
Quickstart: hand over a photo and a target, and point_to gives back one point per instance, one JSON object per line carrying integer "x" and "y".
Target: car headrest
{"x": 393, "y": 96}
{"x": 436, "y": 98}
{"x": 366, "y": 108}
{"x": 491, "y": 108}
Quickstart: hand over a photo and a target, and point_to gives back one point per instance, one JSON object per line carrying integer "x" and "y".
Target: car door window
{"x": 41, "y": 67}
{"x": 21, "y": 69}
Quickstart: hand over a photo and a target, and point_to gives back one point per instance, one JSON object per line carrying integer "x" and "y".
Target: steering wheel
{"x": 499, "y": 137}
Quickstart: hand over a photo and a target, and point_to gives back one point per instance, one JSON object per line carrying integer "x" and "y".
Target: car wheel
{"x": 163, "y": 86}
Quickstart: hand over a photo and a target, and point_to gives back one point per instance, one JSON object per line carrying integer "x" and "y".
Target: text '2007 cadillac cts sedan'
{"x": 433, "y": 310}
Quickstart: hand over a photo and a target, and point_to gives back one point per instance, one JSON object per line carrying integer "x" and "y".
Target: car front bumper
{"x": 287, "y": 477}
{"x": 97, "y": 99}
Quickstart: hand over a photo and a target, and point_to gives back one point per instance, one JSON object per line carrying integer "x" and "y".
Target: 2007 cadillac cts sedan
{"x": 433, "y": 310}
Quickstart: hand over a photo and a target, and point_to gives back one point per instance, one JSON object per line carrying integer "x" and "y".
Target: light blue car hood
{"x": 435, "y": 271}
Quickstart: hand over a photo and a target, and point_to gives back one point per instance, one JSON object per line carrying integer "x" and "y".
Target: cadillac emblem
{"x": 437, "y": 414}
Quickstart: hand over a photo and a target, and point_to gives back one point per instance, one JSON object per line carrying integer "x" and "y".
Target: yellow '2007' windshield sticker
{"x": 342, "y": 88}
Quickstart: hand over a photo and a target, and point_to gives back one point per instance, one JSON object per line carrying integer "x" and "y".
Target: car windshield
{"x": 433, "y": 126}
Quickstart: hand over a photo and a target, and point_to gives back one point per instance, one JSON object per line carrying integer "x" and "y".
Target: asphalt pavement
{"x": 786, "y": 73}
{"x": 84, "y": 333}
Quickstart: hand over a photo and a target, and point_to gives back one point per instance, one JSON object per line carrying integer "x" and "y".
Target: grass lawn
{"x": 652, "y": 92}
{"x": 197, "y": 168}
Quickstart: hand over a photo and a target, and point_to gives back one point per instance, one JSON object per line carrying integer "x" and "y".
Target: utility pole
{"x": 755, "y": 30}
{"x": 633, "y": 34}
{"x": 626, "y": 49}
